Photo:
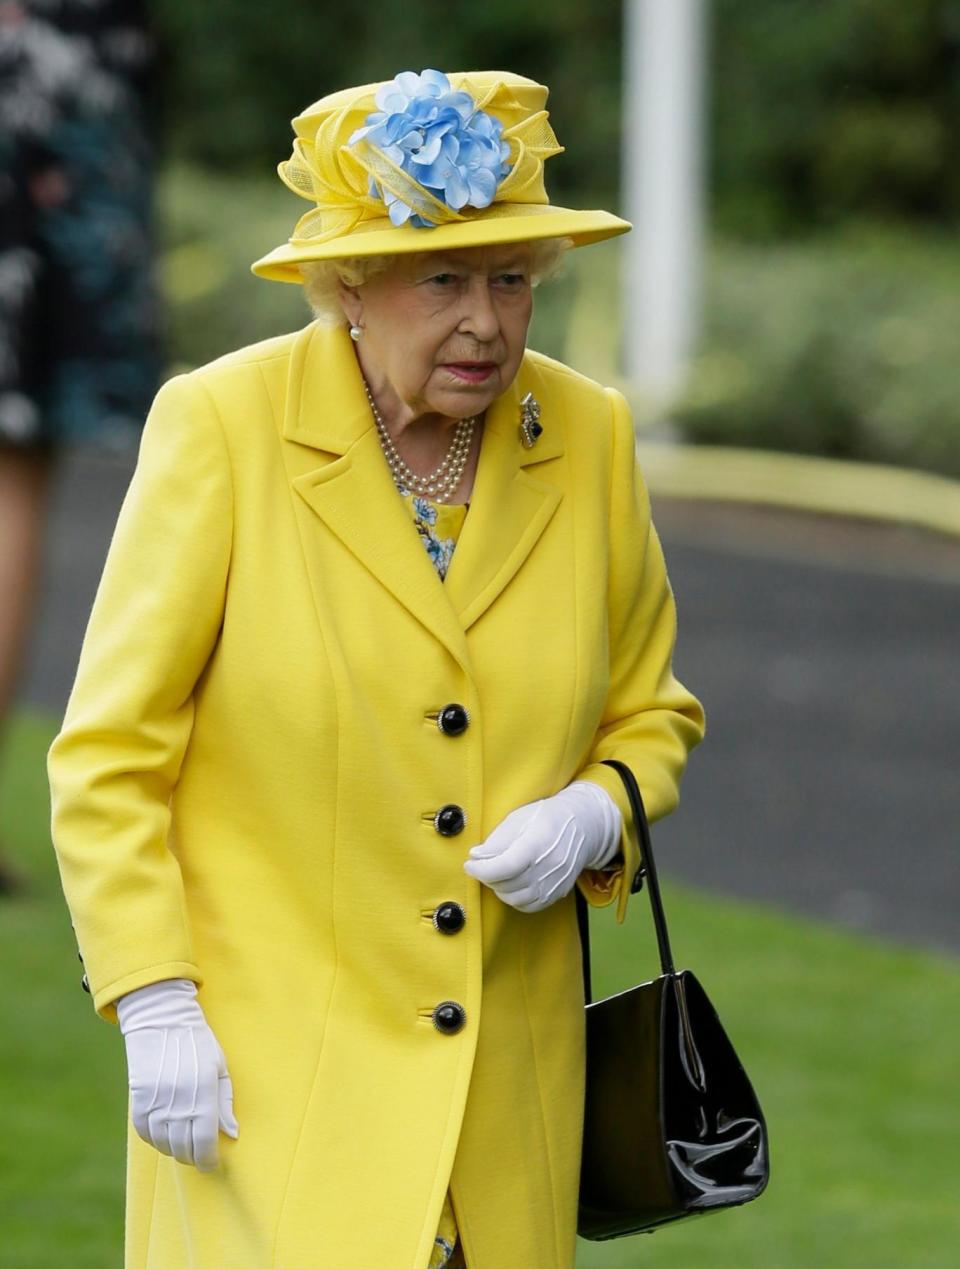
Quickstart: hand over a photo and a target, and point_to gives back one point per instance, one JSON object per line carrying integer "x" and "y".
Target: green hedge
{"x": 825, "y": 111}
{"x": 843, "y": 346}
{"x": 235, "y": 74}
{"x": 817, "y": 111}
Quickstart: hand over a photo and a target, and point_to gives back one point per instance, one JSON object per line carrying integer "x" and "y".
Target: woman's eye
{"x": 443, "y": 279}
{"x": 512, "y": 280}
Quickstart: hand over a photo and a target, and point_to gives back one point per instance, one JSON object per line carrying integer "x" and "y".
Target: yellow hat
{"x": 426, "y": 162}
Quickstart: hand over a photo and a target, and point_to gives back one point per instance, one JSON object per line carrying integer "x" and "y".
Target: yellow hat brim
{"x": 499, "y": 223}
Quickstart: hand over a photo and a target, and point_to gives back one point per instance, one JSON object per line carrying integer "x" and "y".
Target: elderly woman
{"x": 382, "y": 595}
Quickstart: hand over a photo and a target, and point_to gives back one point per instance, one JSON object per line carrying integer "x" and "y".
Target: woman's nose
{"x": 479, "y": 315}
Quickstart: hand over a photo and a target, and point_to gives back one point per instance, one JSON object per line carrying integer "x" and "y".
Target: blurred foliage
{"x": 818, "y": 111}
{"x": 831, "y": 124}
{"x": 237, "y": 73}
{"x": 845, "y": 347}
{"x": 843, "y": 344}
{"x": 214, "y": 302}
{"x": 828, "y": 110}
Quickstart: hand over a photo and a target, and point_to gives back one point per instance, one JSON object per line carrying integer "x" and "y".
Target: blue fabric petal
{"x": 435, "y": 175}
{"x": 423, "y": 110}
{"x": 456, "y": 190}
{"x": 391, "y": 99}
{"x": 482, "y": 186}
{"x": 399, "y": 212}
{"x": 435, "y": 81}
{"x": 463, "y": 104}
{"x": 408, "y": 82}
{"x": 429, "y": 150}
{"x": 485, "y": 125}
{"x": 380, "y": 134}
{"x": 393, "y": 129}
{"x": 471, "y": 154}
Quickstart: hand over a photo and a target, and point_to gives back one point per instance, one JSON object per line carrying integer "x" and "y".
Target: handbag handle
{"x": 647, "y": 868}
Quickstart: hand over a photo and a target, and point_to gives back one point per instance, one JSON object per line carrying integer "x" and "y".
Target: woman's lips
{"x": 470, "y": 371}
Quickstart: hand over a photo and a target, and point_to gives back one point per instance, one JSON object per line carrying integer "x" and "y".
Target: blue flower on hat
{"x": 440, "y": 139}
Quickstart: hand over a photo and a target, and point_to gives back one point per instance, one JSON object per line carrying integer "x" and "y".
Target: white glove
{"x": 535, "y": 854}
{"x": 181, "y": 1094}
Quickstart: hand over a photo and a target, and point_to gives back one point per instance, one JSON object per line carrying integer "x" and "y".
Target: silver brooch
{"x": 530, "y": 425}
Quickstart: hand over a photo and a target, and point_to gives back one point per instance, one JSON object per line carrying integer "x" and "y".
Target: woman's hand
{"x": 181, "y": 1095}
{"x": 534, "y": 856}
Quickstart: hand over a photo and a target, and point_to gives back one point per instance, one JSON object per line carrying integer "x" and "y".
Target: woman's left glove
{"x": 180, "y": 1092}
{"x": 535, "y": 854}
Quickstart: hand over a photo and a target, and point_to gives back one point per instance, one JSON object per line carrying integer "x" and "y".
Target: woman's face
{"x": 443, "y": 332}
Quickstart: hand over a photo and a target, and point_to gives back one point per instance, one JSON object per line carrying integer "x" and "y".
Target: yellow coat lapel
{"x": 353, "y": 493}
{"x": 510, "y": 506}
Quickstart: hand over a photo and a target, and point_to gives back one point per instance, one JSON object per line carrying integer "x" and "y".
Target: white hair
{"x": 322, "y": 278}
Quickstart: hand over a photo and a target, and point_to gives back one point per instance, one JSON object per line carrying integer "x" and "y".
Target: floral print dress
{"x": 439, "y": 526}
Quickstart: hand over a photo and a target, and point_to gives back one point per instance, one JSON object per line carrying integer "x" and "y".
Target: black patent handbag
{"x": 672, "y": 1127}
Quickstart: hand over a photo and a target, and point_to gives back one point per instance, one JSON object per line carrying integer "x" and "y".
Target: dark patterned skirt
{"x": 79, "y": 314}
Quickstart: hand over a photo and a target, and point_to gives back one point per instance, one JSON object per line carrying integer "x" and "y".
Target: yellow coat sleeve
{"x": 114, "y": 764}
{"x": 650, "y": 720}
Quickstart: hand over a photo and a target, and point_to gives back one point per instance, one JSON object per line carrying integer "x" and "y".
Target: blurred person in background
{"x": 79, "y": 348}
{"x": 383, "y": 594}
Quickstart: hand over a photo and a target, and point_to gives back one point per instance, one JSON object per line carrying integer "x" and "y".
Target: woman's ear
{"x": 351, "y": 303}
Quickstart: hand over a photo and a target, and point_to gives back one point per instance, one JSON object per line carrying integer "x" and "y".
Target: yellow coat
{"x": 244, "y": 787}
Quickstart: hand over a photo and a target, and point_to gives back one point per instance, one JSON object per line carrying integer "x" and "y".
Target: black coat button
{"x": 449, "y": 917}
{"x": 84, "y": 983}
{"x": 449, "y": 1017}
{"x": 449, "y": 820}
{"x": 453, "y": 720}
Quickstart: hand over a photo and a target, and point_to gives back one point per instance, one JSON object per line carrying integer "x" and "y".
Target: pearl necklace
{"x": 442, "y": 482}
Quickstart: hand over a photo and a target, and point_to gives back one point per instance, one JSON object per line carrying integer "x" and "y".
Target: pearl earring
{"x": 355, "y": 333}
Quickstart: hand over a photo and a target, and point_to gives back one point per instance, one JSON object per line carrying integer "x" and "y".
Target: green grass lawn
{"x": 852, "y": 1044}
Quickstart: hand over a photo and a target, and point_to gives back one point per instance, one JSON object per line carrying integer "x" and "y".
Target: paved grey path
{"x": 828, "y": 659}
{"x": 826, "y": 654}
